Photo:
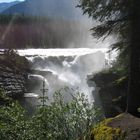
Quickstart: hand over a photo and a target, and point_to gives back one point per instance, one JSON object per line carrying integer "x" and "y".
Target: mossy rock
{"x": 122, "y": 127}
{"x": 104, "y": 132}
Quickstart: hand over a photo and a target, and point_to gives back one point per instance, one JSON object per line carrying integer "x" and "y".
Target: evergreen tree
{"x": 120, "y": 18}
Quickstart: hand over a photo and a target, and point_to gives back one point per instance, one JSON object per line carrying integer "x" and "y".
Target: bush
{"x": 12, "y": 122}
{"x": 59, "y": 120}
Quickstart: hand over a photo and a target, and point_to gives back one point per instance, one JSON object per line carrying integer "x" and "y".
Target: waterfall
{"x": 61, "y": 68}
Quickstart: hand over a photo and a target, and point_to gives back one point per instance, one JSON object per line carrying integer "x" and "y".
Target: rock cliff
{"x": 13, "y": 74}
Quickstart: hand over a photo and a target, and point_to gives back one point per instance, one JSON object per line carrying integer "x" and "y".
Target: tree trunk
{"x": 134, "y": 81}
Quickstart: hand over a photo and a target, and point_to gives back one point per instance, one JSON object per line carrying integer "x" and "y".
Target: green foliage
{"x": 113, "y": 18}
{"x": 111, "y": 14}
{"x": 56, "y": 120}
{"x": 12, "y": 122}
{"x": 61, "y": 120}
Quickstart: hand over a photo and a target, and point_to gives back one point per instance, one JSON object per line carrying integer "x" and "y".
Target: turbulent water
{"x": 61, "y": 68}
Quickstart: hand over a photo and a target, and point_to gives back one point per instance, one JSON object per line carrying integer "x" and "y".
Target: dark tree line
{"x": 20, "y": 31}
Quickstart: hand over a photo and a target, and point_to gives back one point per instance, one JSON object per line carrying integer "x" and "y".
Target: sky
{"x": 9, "y": 0}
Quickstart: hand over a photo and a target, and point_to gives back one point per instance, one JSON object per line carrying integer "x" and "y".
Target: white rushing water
{"x": 60, "y": 52}
{"x": 65, "y": 68}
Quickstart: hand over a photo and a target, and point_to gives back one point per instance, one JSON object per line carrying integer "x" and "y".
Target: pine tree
{"x": 120, "y": 18}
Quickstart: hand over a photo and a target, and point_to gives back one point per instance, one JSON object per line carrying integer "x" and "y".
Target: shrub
{"x": 12, "y": 122}
{"x": 65, "y": 120}
{"x": 58, "y": 120}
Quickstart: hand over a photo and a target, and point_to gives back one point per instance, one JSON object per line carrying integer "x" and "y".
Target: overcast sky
{"x": 9, "y": 0}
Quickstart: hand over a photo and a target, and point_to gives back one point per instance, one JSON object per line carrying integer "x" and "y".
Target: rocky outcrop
{"x": 121, "y": 127}
{"x": 112, "y": 96}
{"x": 13, "y": 74}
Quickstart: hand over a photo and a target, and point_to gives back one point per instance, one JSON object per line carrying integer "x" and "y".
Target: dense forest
{"x": 22, "y": 31}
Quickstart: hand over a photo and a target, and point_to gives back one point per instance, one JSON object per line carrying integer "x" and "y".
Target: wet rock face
{"x": 12, "y": 77}
{"x": 113, "y": 97}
